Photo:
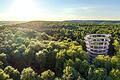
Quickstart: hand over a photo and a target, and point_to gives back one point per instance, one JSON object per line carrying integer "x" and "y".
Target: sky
{"x": 55, "y": 10}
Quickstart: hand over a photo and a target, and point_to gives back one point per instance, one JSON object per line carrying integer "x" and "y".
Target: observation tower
{"x": 97, "y": 44}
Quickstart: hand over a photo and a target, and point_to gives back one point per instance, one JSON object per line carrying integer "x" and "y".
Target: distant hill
{"x": 46, "y": 25}
{"x": 10, "y": 22}
{"x": 38, "y": 24}
{"x": 43, "y": 23}
{"x": 95, "y": 21}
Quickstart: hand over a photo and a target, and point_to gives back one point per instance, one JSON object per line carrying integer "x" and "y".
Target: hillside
{"x": 95, "y": 21}
{"x": 47, "y": 50}
{"x": 10, "y": 22}
{"x": 44, "y": 25}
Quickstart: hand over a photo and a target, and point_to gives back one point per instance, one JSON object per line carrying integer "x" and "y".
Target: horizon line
{"x": 69, "y": 20}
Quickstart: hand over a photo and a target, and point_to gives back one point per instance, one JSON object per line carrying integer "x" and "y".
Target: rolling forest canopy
{"x": 46, "y": 50}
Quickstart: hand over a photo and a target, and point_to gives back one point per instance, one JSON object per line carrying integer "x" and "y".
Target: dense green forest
{"x": 41, "y": 50}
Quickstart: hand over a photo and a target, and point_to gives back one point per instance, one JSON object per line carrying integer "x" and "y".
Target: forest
{"x": 46, "y": 50}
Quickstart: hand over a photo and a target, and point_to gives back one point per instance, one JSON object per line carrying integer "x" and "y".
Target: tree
{"x": 3, "y": 59}
{"x": 115, "y": 74}
{"x": 48, "y": 75}
{"x": 17, "y": 58}
{"x": 30, "y": 53}
{"x": 70, "y": 73}
{"x": 76, "y": 52}
{"x": 13, "y": 73}
{"x": 60, "y": 59}
{"x": 115, "y": 61}
{"x": 28, "y": 74}
{"x": 97, "y": 74}
{"x": 69, "y": 63}
{"x": 116, "y": 44}
{"x": 40, "y": 60}
{"x": 83, "y": 68}
{"x": 102, "y": 61}
{"x": 3, "y": 75}
{"x": 1, "y": 64}
{"x": 44, "y": 36}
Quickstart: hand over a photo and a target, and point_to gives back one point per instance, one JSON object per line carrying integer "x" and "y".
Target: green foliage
{"x": 3, "y": 75}
{"x": 59, "y": 48}
{"x": 28, "y": 74}
{"x": 3, "y": 61}
{"x": 103, "y": 62}
{"x": 44, "y": 36}
{"x": 70, "y": 73}
{"x": 13, "y": 73}
{"x": 99, "y": 74}
{"x": 60, "y": 59}
{"x": 41, "y": 60}
{"x": 115, "y": 61}
{"x": 115, "y": 74}
{"x": 1, "y": 64}
{"x": 48, "y": 75}
{"x": 116, "y": 44}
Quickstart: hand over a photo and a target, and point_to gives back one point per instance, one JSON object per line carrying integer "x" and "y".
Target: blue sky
{"x": 59, "y": 9}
